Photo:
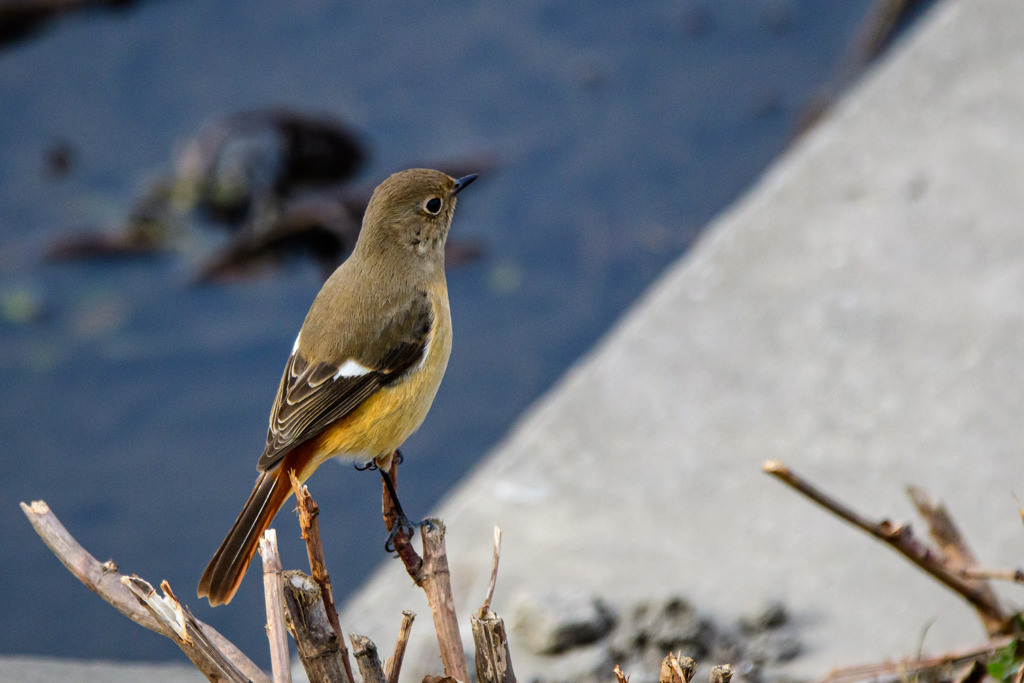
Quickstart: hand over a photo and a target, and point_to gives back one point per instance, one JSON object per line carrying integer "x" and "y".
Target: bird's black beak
{"x": 462, "y": 183}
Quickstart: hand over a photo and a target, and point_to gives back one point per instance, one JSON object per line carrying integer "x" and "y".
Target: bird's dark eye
{"x": 433, "y": 206}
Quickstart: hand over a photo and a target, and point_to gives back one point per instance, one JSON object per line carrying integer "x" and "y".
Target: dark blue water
{"x": 137, "y": 404}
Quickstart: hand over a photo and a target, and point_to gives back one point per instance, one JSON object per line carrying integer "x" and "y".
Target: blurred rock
{"x": 761, "y": 641}
{"x": 551, "y": 623}
{"x": 769, "y": 616}
{"x": 673, "y": 625}
{"x": 774, "y": 647}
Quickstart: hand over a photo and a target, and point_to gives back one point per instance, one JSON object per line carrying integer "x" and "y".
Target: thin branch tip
{"x": 37, "y": 507}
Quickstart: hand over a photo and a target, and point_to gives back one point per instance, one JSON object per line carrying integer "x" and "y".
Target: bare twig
{"x": 105, "y": 580}
{"x": 273, "y": 593}
{"x": 314, "y": 635}
{"x": 945, "y": 532}
{"x": 309, "y": 513}
{"x": 620, "y": 677}
{"x": 891, "y": 671}
{"x": 900, "y": 538}
{"x": 941, "y": 527}
{"x": 1012, "y": 575}
{"x": 494, "y": 570}
{"x": 365, "y": 653}
{"x": 492, "y": 658}
{"x": 393, "y": 667}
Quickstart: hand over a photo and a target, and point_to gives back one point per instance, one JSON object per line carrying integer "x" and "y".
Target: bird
{"x": 366, "y": 364}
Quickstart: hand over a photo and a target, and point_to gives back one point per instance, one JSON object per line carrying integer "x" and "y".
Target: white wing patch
{"x": 426, "y": 352}
{"x": 295, "y": 346}
{"x": 351, "y": 368}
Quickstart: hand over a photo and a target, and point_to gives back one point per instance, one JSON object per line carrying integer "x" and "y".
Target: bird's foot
{"x": 402, "y": 524}
{"x": 372, "y": 465}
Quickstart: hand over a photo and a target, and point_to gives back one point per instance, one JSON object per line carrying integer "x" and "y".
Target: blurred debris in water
{"x": 19, "y": 18}
{"x": 277, "y": 182}
{"x": 240, "y": 161}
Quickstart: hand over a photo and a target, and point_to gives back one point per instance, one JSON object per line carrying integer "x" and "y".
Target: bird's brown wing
{"x": 312, "y": 396}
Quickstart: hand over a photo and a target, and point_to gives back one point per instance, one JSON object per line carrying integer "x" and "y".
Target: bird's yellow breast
{"x": 386, "y": 419}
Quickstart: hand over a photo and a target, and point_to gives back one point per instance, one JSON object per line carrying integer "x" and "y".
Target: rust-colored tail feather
{"x": 227, "y": 568}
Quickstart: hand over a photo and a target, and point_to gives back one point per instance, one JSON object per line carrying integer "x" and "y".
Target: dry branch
{"x": 620, "y": 677}
{"x": 393, "y": 667}
{"x": 309, "y": 513}
{"x": 945, "y": 532}
{"x": 435, "y": 580}
{"x": 274, "y": 596}
{"x": 105, "y": 580}
{"x": 366, "y": 657}
{"x": 185, "y": 632}
{"x": 315, "y": 638}
{"x": 432, "y": 575}
{"x": 941, "y": 527}
{"x": 995, "y": 620}
{"x": 907, "y": 668}
{"x": 494, "y": 570}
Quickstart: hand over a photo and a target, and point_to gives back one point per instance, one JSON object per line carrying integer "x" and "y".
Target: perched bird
{"x": 367, "y": 361}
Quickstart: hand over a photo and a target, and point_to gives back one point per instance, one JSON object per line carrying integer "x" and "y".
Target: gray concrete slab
{"x": 858, "y": 314}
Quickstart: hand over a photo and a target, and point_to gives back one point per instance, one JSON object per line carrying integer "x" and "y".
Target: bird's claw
{"x": 401, "y": 524}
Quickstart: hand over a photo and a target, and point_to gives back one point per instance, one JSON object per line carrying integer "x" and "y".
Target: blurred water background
{"x": 136, "y": 400}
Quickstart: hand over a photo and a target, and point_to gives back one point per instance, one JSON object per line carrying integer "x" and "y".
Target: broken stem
{"x": 394, "y": 665}
{"x": 309, "y": 513}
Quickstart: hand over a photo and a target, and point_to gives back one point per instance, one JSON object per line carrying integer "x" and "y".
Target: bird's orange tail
{"x": 227, "y": 568}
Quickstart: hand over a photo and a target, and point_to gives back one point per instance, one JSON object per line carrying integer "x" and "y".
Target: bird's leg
{"x": 401, "y": 522}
